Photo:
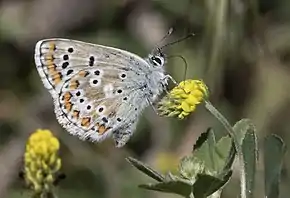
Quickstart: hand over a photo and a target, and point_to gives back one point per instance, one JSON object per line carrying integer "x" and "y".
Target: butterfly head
{"x": 157, "y": 59}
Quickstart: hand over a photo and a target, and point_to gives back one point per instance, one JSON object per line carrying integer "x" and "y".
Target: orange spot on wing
{"x": 102, "y": 129}
{"x": 83, "y": 73}
{"x": 76, "y": 114}
{"x": 85, "y": 121}
{"x": 51, "y": 68}
{"x": 48, "y": 57}
{"x": 68, "y": 106}
{"x": 56, "y": 81}
{"x": 56, "y": 77}
{"x": 67, "y": 96}
{"x": 49, "y": 62}
{"x": 54, "y": 74}
{"x": 51, "y": 46}
{"x": 74, "y": 84}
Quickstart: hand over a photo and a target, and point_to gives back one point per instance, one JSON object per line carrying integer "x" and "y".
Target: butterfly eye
{"x": 157, "y": 61}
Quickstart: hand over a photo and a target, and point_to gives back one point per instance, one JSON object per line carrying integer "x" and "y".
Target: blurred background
{"x": 241, "y": 49}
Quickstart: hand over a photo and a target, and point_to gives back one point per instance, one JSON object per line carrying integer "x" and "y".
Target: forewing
{"x": 57, "y": 60}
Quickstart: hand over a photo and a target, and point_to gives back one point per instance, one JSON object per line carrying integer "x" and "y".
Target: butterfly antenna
{"x": 179, "y": 40}
{"x": 169, "y": 32}
{"x": 185, "y": 63}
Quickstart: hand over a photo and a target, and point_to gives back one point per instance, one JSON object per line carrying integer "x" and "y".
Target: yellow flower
{"x": 182, "y": 99}
{"x": 41, "y": 161}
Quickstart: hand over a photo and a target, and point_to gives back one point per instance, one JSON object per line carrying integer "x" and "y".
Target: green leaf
{"x": 231, "y": 158}
{"x": 249, "y": 159}
{"x": 274, "y": 151}
{"x": 241, "y": 128}
{"x": 145, "y": 169}
{"x": 201, "y": 139}
{"x": 208, "y": 157}
{"x": 206, "y": 185}
{"x": 178, "y": 187}
{"x": 214, "y": 155}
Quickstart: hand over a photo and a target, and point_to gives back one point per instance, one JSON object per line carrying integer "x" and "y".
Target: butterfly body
{"x": 98, "y": 91}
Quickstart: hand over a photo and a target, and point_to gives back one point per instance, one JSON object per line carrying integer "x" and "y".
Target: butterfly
{"x": 99, "y": 91}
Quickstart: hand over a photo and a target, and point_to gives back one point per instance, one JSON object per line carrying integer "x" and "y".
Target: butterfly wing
{"x": 94, "y": 87}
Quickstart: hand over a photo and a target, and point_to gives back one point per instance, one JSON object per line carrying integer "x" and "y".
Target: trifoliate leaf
{"x": 208, "y": 157}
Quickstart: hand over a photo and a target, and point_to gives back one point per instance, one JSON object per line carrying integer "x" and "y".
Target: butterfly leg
{"x": 171, "y": 78}
{"x": 152, "y": 105}
{"x": 164, "y": 85}
{"x": 122, "y": 135}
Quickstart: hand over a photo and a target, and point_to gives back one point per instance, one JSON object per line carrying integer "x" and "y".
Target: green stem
{"x": 225, "y": 123}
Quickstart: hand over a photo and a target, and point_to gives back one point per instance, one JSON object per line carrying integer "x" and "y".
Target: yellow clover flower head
{"x": 182, "y": 99}
{"x": 41, "y": 160}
